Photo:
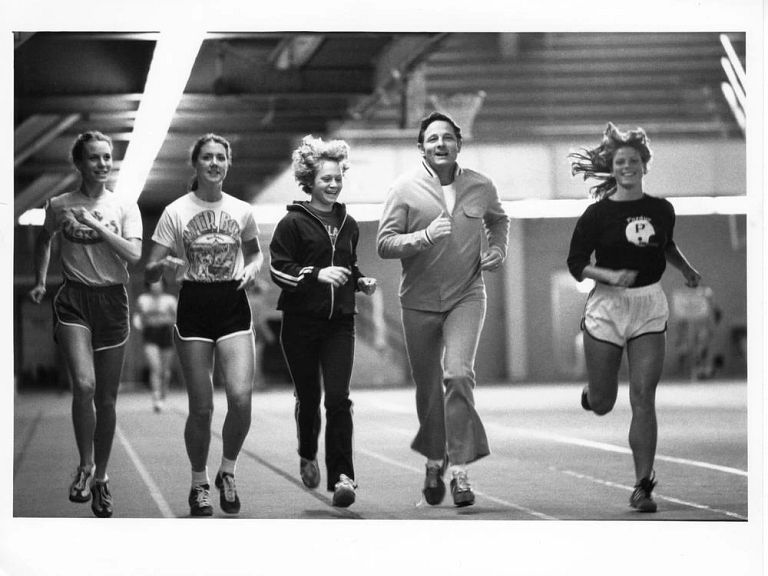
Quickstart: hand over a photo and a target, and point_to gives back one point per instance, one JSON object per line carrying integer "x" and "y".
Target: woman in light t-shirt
{"x": 211, "y": 240}
{"x": 100, "y": 233}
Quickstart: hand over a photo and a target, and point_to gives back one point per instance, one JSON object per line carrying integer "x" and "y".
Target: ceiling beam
{"x": 295, "y": 51}
{"x": 43, "y": 188}
{"x": 37, "y": 131}
{"x": 20, "y": 37}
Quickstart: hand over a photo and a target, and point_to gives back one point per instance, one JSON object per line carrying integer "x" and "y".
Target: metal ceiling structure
{"x": 262, "y": 91}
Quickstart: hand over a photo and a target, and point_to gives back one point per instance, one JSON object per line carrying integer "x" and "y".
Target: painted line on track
{"x": 30, "y": 432}
{"x": 609, "y": 448}
{"x": 506, "y": 503}
{"x": 154, "y": 491}
{"x": 658, "y": 496}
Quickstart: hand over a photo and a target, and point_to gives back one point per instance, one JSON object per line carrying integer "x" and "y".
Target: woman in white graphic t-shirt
{"x": 210, "y": 240}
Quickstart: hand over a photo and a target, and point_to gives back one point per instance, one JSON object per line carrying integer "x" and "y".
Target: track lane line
{"x": 609, "y": 447}
{"x": 154, "y": 491}
{"x": 29, "y": 433}
{"x": 610, "y": 484}
{"x": 392, "y": 462}
{"x": 343, "y": 513}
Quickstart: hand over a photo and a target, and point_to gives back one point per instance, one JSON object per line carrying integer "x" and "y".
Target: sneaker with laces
{"x": 434, "y": 487}
{"x": 310, "y": 473}
{"x": 79, "y": 490}
{"x": 200, "y": 500}
{"x": 585, "y": 399}
{"x": 101, "y": 503}
{"x": 461, "y": 489}
{"x": 228, "y": 498}
{"x": 344, "y": 492}
{"x": 641, "y": 499}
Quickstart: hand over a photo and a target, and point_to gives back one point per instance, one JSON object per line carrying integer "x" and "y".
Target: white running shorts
{"x": 617, "y": 315}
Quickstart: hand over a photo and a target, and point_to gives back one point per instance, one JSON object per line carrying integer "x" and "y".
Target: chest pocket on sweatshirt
{"x": 473, "y": 210}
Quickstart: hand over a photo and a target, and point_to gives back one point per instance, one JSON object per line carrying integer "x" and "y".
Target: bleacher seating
{"x": 555, "y": 85}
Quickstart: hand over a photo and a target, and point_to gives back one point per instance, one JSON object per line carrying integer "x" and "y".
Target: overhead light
{"x": 172, "y": 62}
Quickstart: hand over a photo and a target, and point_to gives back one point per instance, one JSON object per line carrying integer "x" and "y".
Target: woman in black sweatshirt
{"x": 314, "y": 262}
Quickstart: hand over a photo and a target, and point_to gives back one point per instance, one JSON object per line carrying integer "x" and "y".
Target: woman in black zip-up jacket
{"x": 314, "y": 262}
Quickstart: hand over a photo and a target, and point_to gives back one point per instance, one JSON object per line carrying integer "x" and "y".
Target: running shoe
{"x": 434, "y": 487}
{"x": 228, "y": 498}
{"x": 310, "y": 473}
{"x": 79, "y": 490}
{"x": 585, "y": 400}
{"x": 344, "y": 491}
{"x": 102, "y": 499}
{"x": 200, "y": 500}
{"x": 641, "y": 498}
{"x": 461, "y": 489}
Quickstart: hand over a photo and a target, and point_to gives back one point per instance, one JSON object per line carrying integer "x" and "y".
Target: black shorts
{"x": 102, "y": 310}
{"x": 160, "y": 336}
{"x": 211, "y": 311}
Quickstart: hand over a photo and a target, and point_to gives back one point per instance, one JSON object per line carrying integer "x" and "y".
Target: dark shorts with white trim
{"x": 210, "y": 311}
{"x": 161, "y": 336}
{"x": 102, "y": 310}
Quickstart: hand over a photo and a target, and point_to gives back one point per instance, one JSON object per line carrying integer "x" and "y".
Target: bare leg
{"x": 154, "y": 363}
{"x": 108, "y": 367}
{"x": 196, "y": 359}
{"x": 75, "y": 344}
{"x": 603, "y": 363}
{"x": 646, "y": 359}
{"x": 235, "y": 369}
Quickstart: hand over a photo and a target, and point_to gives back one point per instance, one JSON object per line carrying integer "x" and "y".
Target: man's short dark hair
{"x": 434, "y": 117}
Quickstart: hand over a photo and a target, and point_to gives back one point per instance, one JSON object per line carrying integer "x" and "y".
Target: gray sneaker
{"x": 461, "y": 490}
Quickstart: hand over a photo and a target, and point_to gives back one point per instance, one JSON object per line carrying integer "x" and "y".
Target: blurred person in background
{"x": 154, "y": 318}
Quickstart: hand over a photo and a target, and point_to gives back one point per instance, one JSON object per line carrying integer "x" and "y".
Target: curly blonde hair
{"x": 597, "y": 162}
{"x": 311, "y": 153}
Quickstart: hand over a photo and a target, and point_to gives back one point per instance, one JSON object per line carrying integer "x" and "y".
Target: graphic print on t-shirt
{"x": 333, "y": 232}
{"x": 79, "y": 233}
{"x": 639, "y": 231}
{"x": 211, "y": 248}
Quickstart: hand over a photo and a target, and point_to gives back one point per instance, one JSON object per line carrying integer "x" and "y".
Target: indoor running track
{"x": 550, "y": 460}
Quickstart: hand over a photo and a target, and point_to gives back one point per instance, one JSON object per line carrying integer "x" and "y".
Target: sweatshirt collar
{"x": 302, "y": 206}
{"x": 456, "y": 171}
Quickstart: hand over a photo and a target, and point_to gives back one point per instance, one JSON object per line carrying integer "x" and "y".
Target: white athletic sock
{"x": 456, "y": 468}
{"x": 199, "y": 478}
{"x": 431, "y": 463}
{"x": 227, "y": 466}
